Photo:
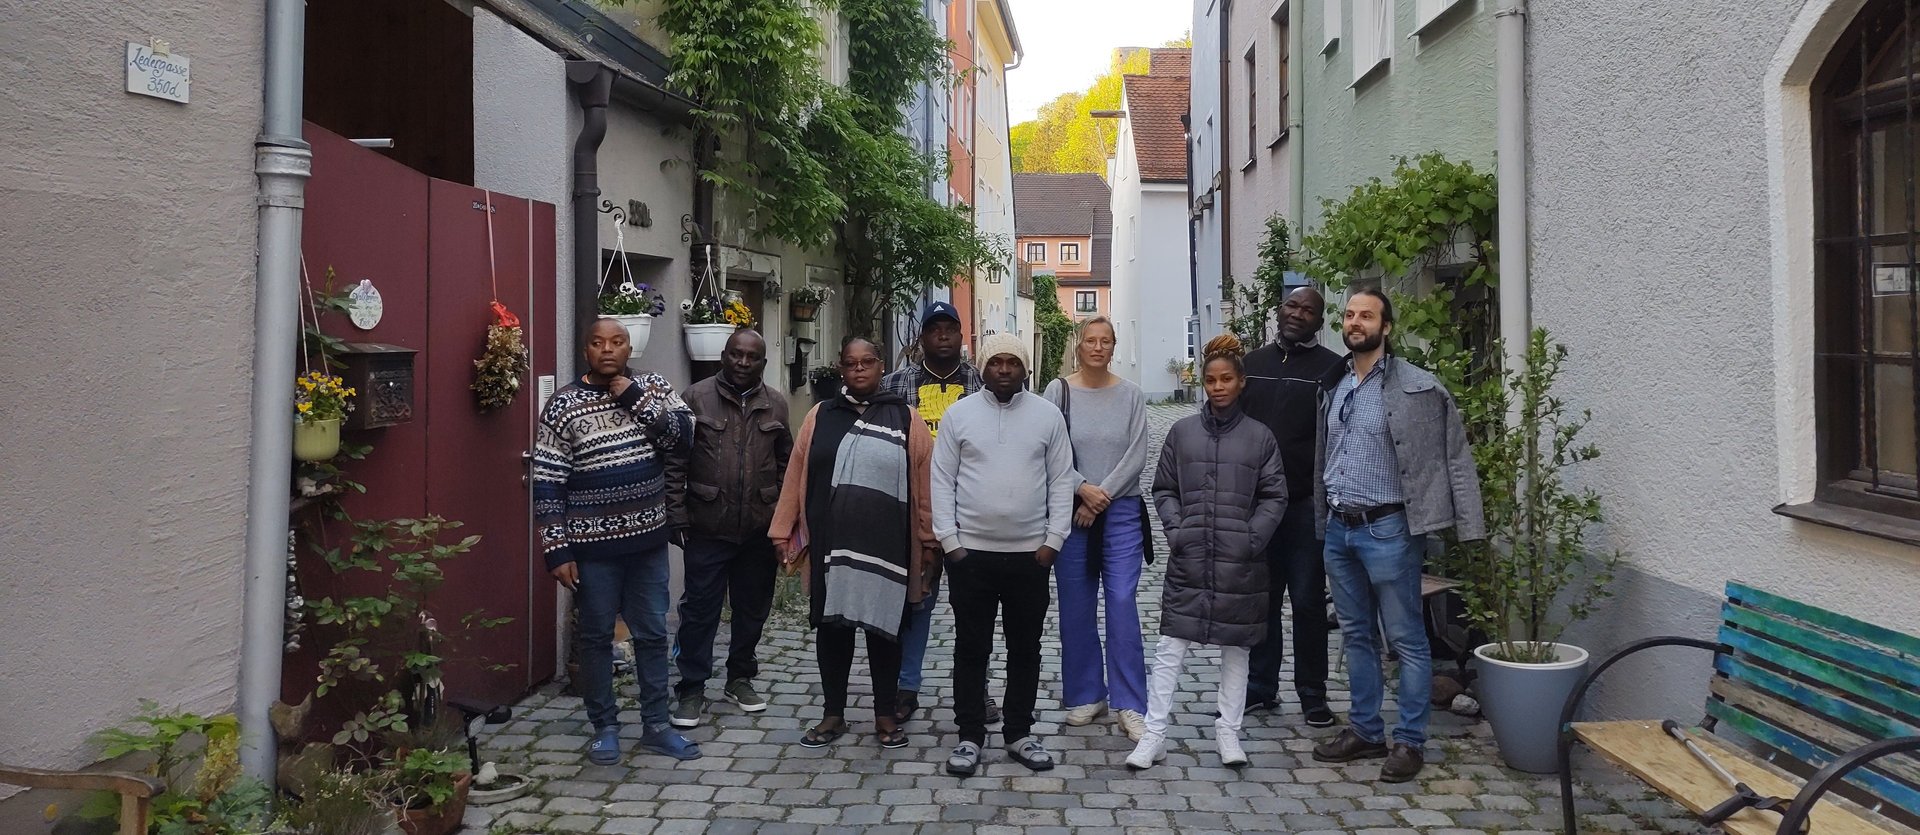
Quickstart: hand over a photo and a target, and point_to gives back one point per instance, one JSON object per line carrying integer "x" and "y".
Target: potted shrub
{"x": 804, "y": 302}
{"x": 320, "y": 402}
{"x": 429, "y": 793}
{"x": 710, "y": 321}
{"x": 197, "y": 761}
{"x": 824, "y": 381}
{"x": 634, "y": 306}
{"x": 1535, "y": 574}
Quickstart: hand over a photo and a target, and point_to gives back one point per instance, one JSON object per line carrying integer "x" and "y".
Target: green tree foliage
{"x": 1056, "y": 329}
{"x": 1066, "y": 138}
{"x": 823, "y": 162}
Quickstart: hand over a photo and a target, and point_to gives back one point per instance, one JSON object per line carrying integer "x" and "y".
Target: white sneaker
{"x": 1231, "y": 754}
{"x": 1151, "y": 749}
{"x": 1134, "y": 723}
{"x": 1085, "y": 714}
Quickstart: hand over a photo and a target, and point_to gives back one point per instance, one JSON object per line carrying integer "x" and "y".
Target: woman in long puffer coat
{"x": 1220, "y": 494}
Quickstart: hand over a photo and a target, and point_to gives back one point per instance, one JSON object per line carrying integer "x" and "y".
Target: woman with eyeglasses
{"x": 1220, "y": 492}
{"x": 855, "y": 515}
{"x": 1103, "y": 557}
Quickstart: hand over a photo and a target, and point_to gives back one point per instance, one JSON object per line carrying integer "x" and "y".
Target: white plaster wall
{"x": 1261, "y": 180}
{"x": 523, "y": 143}
{"x": 1205, "y": 109}
{"x": 126, "y": 289}
{"x": 1663, "y": 257}
{"x": 993, "y": 192}
{"x": 645, "y": 159}
{"x": 1160, "y": 270}
{"x": 1125, "y": 203}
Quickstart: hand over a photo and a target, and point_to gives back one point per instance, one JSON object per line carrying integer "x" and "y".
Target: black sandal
{"x": 895, "y": 737}
{"x": 815, "y": 737}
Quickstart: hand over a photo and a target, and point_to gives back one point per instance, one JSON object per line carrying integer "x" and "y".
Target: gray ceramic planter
{"x": 1523, "y": 702}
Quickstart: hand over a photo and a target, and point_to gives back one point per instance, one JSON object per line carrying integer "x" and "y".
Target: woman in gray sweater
{"x": 1107, "y": 424}
{"x": 1220, "y": 493}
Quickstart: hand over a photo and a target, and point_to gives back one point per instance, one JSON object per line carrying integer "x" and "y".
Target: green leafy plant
{"x": 1056, "y": 329}
{"x": 389, "y": 637}
{"x": 642, "y": 299}
{"x": 1259, "y": 302}
{"x": 197, "y": 758}
{"x": 1535, "y": 574}
{"x": 428, "y": 777}
{"x": 811, "y": 294}
{"x": 342, "y": 803}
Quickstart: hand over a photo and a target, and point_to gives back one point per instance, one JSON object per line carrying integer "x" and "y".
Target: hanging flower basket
{"x": 804, "y": 312}
{"x": 316, "y": 440}
{"x": 705, "y": 343}
{"x": 639, "y": 329}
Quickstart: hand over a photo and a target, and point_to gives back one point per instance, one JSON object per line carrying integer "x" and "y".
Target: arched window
{"x": 1867, "y": 305}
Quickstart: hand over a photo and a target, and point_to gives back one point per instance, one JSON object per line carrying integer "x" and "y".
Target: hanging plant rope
{"x": 503, "y": 362}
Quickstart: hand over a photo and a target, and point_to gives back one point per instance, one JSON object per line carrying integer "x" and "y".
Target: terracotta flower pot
{"x": 316, "y": 440}
{"x": 804, "y": 312}
{"x": 441, "y": 819}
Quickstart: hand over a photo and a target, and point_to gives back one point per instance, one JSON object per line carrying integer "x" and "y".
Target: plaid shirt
{"x": 1362, "y": 470}
{"x": 930, "y": 395}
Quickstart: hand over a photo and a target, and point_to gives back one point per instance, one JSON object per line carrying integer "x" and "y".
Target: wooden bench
{"x": 1805, "y": 704}
{"x": 136, "y": 790}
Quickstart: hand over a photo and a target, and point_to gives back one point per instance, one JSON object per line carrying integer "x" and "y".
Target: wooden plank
{"x": 1642, "y": 748}
{"x": 1807, "y": 751}
{"x": 1431, "y": 585}
{"x": 1873, "y": 661}
{"x": 122, "y": 782}
{"x": 1809, "y": 725}
{"x": 1876, "y": 724}
{"x": 1840, "y": 678}
{"x": 1899, "y": 642}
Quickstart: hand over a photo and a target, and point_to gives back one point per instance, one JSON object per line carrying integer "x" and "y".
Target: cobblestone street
{"x": 755, "y": 777}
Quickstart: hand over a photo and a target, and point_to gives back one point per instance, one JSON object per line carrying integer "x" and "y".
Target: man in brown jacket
{"x": 720, "y": 500}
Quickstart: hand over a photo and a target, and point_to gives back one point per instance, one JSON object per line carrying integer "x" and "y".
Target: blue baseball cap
{"x": 937, "y": 310}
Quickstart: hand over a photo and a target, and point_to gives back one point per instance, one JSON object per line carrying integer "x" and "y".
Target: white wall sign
{"x": 153, "y": 70}
{"x": 364, "y": 306}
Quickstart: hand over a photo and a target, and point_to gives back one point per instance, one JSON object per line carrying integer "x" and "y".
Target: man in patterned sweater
{"x": 599, "y": 487}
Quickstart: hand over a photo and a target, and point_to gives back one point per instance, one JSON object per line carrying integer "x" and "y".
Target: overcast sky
{"x": 1069, "y": 42}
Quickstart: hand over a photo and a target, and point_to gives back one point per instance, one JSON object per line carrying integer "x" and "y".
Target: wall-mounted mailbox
{"x": 382, "y": 376}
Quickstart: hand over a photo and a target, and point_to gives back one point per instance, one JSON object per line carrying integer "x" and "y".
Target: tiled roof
{"x": 1171, "y": 62}
{"x": 1102, "y": 258}
{"x": 1061, "y": 205}
{"x": 1155, "y": 104}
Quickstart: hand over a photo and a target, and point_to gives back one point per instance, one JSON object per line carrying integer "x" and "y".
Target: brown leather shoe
{"x": 1347, "y": 747}
{"x": 1403, "y": 764}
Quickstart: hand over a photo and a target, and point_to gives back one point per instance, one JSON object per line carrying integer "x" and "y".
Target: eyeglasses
{"x": 867, "y": 364}
{"x": 1097, "y": 343}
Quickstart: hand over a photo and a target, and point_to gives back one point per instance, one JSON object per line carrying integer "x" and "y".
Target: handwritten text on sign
{"x": 162, "y": 76}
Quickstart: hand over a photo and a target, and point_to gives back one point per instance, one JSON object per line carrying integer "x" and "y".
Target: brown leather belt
{"x": 1354, "y": 518}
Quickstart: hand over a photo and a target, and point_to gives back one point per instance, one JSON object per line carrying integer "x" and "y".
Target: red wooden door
{"x": 424, "y": 244}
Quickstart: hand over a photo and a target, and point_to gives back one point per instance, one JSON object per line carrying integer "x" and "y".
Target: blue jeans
{"x": 913, "y": 640}
{"x": 633, "y": 587}
{"x": 1122, "y": 678}
{"x": 1374, "y": 573}
{"x": 717, "y": 572}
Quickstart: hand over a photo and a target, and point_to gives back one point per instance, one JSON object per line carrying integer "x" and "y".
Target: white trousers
{"x": 1169, "y": 659}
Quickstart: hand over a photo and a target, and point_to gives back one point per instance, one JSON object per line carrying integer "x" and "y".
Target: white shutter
{"x": 1330, "y": 23}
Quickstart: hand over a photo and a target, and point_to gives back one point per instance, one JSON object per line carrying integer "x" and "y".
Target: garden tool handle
{"x": 1674, "y": 730}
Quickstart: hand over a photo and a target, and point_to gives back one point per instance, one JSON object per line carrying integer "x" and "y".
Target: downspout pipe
{"x": 1225, "y": 174}
{"x": 593, "y": 89}
{"x": 1296, "y": 117}
{"x": 282, "y": 161}
{"x": 1516, "y": 297}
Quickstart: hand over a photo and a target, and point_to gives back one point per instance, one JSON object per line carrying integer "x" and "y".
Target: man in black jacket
{"x": 1284, "y": 383}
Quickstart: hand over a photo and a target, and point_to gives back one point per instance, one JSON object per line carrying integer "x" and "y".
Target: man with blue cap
{"x": 938, "y": 381}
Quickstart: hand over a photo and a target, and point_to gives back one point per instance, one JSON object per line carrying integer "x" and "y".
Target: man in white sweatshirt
{"x": 1001, "y": 528}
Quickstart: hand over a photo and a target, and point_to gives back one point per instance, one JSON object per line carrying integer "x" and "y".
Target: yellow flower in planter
{"x": 321, "y": 397}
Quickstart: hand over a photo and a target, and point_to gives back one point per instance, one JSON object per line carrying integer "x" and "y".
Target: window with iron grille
{"x": 1085, "y": 301}
{"x": 1867, "y": 312}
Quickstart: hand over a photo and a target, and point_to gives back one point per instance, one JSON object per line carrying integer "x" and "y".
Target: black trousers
{"x": 1297, "y": 568}
{"x": 718, "y": 572}
{"x": 833, "y": 644}
{"x": 985, "y": 588}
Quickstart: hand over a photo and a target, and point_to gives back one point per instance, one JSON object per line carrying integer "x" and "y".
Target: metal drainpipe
{"x": 1516, "y": 297}
{"x": 282, "y": 161}
{"x": 1221, "y": 138}
{"x": 593, "y": 88}
{"x": 1296, "y": 116}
